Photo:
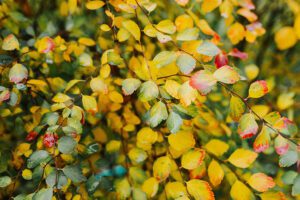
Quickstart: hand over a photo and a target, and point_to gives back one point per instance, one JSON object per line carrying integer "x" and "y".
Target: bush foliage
{"x": 144, "y": 99}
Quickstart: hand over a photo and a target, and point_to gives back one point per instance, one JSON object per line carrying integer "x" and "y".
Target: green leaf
{"x": 50, "y": 118}
{"x": 74, "y": 173}
{"x": 130, "y": 85}
{"x": 56, "y": 179}
{"x": 5, "y": 181}
{"x": 174, "y": 122}
{"x": 288, "y": 159}
{"x": 37, "y": 157}
{"x": 148, "y": 91}
{"x": 66, "y": 144}
{"x": 289, "y": 177}
{"x": 188, "y": 34}
{"x": 186, "y": 63}
{"x": 158, "y": 113}
{"x": 5, "y": 59}
{"x": 43, "y": 194}
{"x": 296, "y": 186}
{"x": 185, "y": 113}
{"x": 114, "y": 58}
{"x": 164, "y": 58}
{"x": 208, "y": 48}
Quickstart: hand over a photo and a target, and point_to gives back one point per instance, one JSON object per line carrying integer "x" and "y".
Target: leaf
{"x": 86, "y": 41}
{"x": 200, "y": 190}
{"x": 226, "y": 74}
{"x": 236, "y": 33}
{"x": 98, "y": 85}
{"x": 203, "y": 81}
{"x": 188, "y": 34}
{"x": 162, "y": 168}
{"x": 192, "y": 158}
{"x": 281, "y": 145}
{"x": 186, "y": 94}
{"x": 258, "y": 89}
{"x": 94, "y": 5}
{"x": 296, "y": 186}
{"x": 166, "y": 26}
{"x": 288, "y": 159}
{"x": 114, "y": 58}
{"x": 262, "y": 141}
{"x": 146, "y": 137}
{"x": 186, "y": 139}
{"x": 5, "y": 181}
{"x": 148, "y": 91}
{"x": 172, "y": 87}
{"x": 132, "y": 28}
{"x": 150, "y": 187}
{"x": 158, "y": 113}
{"x": 44, "y": 193}
{"x": 50, "y": 118}
{"x": 89, "y": 104}
{"x": 85, "y": 60}
{"x": 175, "y": 190}
{"x": 164, "y": 58}
{"x": 74, "y": 173}
{"x": 45, "y": 45}
{"x": 10, "y": 43}
{"x": 285, "y": 100}
{"x": 56, "y": 179}
{"x": 215, "y": 173}
{"x": 236, "y": 108}
{"x": 174, "y": 122}
{"x": 286, "y": 126}
{"x": 285, "y": 38}
{"x": 137, "y": 155}
{"x": 239, "y": 191}
{"x": 186, "y": 63}
{"x": 210, "y": 5}
{"x": 123, "y": 188}
{"x": 251, "y": 71}
{"x": 247, "y": 126}
{"x": 130, "y": 85}
{"x": 66, "y": 144}
{"x": 217, "y": 147}
{"x": 242, "y": 158}
{"x": 60, "y": 98}
{"x": 208, "y": 49}
{"x": 261, "y": 182}
{"x": 38, "y": 157}
{"x": 18, "y": 73}
{"x": 272, "y": 195}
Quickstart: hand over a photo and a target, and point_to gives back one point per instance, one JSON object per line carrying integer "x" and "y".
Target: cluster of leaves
{"x": 143, "y": 101}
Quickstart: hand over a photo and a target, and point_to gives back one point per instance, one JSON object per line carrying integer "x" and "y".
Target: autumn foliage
{"x": 145, "y": 99}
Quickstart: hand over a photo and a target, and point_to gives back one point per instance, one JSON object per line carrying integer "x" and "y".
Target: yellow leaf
{"x": 166, "y": 26}
{"x": 113, "y": 146}
{"x": 87, "y": 41}
{"x": 258, "y": 89}
{"x": 192, "y": 158}
{"x": 215, "y": 173}
{"x": 146, "y": 137}
{"x": 226, "y": 74}
{"x": 162, "y": 168}
{"x": 183, "y": 22}
{"x": 175, "y": 190}
{"x": 182, "y": 140}
{"x": 236, "y": 33}
{"x": 137, "y": 155}
{"x": 94, "y": 5}
{"x": 261, "y": 182}
{"x": 285, "y": 38}
{"x": 27, "y": 174}
{"x": 200, "y": 190}
{"x": 242, "y": 158}
{"x": 116, "y": 97}
{"x": 239, "y": 191}
{"x": 132, "y": 28}
{"x": 251, "y": 71}
{"x": 150, "y": 187}
{"x": 285, "y": 100}
{"x": 217, "y": 147}
{"x": 172, "y": 87}
{"x": 123, "y": 35}
{"x": 236, "y": 108}
{"x": 89, "y": 104}
{"x": 72, "y": 5}
{"x": 210, "y": 5}
{"x": 187, "y": 94}
{"x": 272, "y": 195}
{"x": 98, "y": 85}
{"x": 10, "y": 43}
{"x": 60, "y": 98}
